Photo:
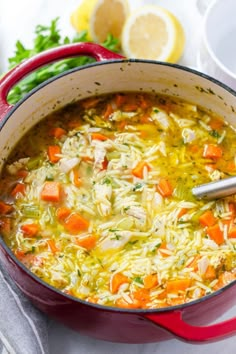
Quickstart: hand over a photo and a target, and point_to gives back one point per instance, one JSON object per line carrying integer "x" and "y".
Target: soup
{"x": 96, "y": 201}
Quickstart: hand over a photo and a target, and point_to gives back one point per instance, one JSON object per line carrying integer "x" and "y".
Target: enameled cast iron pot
{"x": 112, "y": 73}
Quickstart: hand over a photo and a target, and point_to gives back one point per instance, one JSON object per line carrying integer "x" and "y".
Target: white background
{"x": 18, "y": 19}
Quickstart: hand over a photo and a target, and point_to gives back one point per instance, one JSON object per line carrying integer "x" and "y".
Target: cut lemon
{"x": 108, "y": 17}
{"x": 81, "y": 16}
{"x": 152, "y": 32}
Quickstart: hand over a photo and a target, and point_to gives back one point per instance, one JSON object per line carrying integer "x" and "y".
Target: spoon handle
{"x": 215, "y": 190}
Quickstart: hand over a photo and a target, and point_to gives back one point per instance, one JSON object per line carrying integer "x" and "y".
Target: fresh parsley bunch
{"x": 46, "y": 38}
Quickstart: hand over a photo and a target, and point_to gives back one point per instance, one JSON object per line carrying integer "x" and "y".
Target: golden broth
{"x": 96, "y": 201}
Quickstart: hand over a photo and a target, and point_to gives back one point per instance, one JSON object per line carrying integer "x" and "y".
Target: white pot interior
{"x": 115, "y": 76}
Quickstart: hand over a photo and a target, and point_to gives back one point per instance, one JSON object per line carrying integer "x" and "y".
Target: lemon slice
{"x": 152, "y": 32}
{"x": 81, "y": 15}
{"x": 108, "y": 17}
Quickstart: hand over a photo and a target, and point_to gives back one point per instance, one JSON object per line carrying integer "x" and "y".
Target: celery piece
{"x": 33, "y": 162}
{"x": 30, "y": 211}
{"x": 182, "y": 192}
{"x": 196, "y": 216}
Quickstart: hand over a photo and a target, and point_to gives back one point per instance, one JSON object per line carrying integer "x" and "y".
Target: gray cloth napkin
{"x": 23, "y": 329}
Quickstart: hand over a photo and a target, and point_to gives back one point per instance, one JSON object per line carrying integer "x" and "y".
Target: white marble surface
{"x": 17, "y": 21}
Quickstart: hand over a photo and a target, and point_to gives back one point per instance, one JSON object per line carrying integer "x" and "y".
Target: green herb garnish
{"x": 215, "y": 134}
{"x": 138, "y": 280}
{"x": 47, "y": 37}
{"x": 137, "y": 186}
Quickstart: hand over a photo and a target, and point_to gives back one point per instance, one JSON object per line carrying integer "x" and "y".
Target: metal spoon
{"x": 215, "y": 190}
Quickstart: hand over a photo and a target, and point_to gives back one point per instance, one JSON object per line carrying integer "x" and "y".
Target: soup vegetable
{"x": 96, "y": 201}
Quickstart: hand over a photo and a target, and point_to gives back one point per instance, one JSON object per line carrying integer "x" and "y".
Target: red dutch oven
{"x": 113, "y": 73}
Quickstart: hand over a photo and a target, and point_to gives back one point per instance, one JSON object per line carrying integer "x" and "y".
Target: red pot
{"x": 113, "y": 73}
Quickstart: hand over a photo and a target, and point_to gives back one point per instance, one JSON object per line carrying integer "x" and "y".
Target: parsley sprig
{"x": 47, "y": 37}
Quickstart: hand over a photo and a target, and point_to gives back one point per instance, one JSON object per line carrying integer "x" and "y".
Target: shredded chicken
{"x": 102, "y": 196}
{"x": 115, "y": 240}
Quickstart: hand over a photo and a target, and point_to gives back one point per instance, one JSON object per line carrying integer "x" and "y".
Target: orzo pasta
{"x": 96, "y": 201}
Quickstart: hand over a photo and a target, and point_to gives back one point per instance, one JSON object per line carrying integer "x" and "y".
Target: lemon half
{"x": 80, "y": 17}
{"x": 152, "y": 32}
{"x": 108, "y": 17}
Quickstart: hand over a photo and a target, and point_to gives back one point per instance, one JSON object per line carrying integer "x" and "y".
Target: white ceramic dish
{"x": 217, "y": 52}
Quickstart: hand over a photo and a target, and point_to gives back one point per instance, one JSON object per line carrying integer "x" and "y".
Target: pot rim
{"x": 115, "y": 61}
{"x": 61, "y": 293}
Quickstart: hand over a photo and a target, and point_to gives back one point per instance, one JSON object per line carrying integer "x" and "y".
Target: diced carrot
{"x": 52, "y": 245}
{"x": 150, "y": 281}
{"x": 92, "y": 299}
{"x": 98, "y": 136}
{"x": 142, "y": 295}
{"x": 210, "y": 273}
{"x": 207, "y": 218}
{"x": 90, "y": 102}
{"x": 22, "y": 173}
{"x": 193, "y": 148}
{"x": 122, "y": 124}
{"x": 230, "y": 167}
{"x": 53, "y": 152}
{"x": 62, "y": 213}
{"x": 18, "y": 189}
{"x": 75, "y": 223}
{"x": 143, "y": 101}
{"x": 104, "y": 164}
{"x": 135, "y": 304}
{"x": 137, "y": 171}
{"x": 216, "y": 124}
{"x": 69, "y": 292}
{"x": 215, "y": 234}
{"x": 19, "y": 254}
{"x": 212, "y": 151}
{"x": 232, "y": 232}
{"x": 227, "y": 222}
{"x": 232, "y": 209}
{"x": 130, "y": 107}
{"x": 120, "y": 100}
{"x": 108, "y": 111}
{"x": 174, "y": 286}
{"x": 145, "y": 118}
{"x": 5, "y": 208}
{"x": 165, "y": 188}
{"x": 88, "y": 241}
{"x": 30, "y": 229}
{"x": 51, "y": 191}
{"x": 116, "y": 281}
{"x": 73, "y": 124}
{"x": 76, "y": 178}
{"x": 194, "y": 263}
{"x": 162, "y": 249}
{"x": 224, "y": 279}
{"x": 57, "y": 132}
{"x": 182, "y": 212}
{"x": 162, "y": 295}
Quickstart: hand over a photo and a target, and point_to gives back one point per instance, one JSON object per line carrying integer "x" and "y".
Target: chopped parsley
{"x": 138, "y": 280}
{"x": 215, "y": 134}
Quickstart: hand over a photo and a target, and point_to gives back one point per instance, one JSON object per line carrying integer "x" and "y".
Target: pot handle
{"x": 174, "y": 323}
{"x": 93, "y": 50}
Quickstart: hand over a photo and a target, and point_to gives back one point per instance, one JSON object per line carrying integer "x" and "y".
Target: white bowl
{"x": 217, "y": 53}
